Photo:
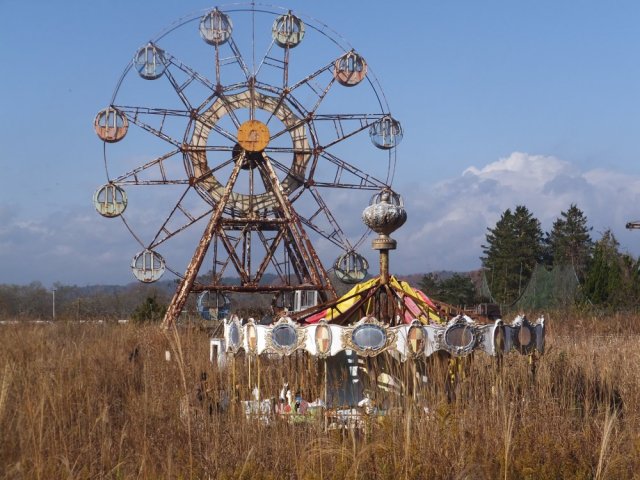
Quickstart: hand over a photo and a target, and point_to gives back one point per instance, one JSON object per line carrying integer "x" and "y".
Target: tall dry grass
{"x": 101, "y": 401}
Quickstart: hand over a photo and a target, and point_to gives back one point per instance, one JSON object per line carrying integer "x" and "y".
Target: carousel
{"x": 379, "y": 319}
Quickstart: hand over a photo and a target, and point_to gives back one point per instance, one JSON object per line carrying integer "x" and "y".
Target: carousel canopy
{"x": 402, "y": 305}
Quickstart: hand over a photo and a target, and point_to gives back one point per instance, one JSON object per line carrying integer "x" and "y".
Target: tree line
{"x": 513, "y": 249}
{"x": 139, "y": 302}
{"x": 69, "y": 302}
{"x": 516, "y": 246}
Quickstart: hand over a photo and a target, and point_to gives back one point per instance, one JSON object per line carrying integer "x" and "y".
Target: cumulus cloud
{"x": 447, "y": 222}
{"x": 449, "y": 219}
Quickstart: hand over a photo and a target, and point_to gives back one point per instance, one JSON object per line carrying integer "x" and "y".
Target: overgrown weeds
{"x": 103, "y": 401}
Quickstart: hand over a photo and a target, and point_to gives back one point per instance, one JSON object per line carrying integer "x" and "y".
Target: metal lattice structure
{"x": 249, "y": 123}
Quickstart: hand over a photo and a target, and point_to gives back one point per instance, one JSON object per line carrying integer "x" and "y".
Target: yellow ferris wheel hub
{"x": 253, "y": 136}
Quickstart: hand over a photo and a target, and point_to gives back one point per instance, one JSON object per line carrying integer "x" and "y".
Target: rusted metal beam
{"x": 185, "y": 286}
{"x": 253, "y": 221}
{"x": 302, "y": 243}
{"x": 231, "y": 251}
{"x": 252, "y": 288}
{"x": 271, "y": 250}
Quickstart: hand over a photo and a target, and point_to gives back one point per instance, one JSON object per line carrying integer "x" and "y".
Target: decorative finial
{"x": 384, "y": 215}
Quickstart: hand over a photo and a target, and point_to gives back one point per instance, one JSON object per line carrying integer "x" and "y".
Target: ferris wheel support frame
{"x": 309, "y": 266}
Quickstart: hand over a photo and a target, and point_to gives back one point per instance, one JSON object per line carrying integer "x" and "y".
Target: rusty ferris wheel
{"x": 261, "y": 132}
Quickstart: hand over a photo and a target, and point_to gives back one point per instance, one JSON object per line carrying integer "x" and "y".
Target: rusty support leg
{"x": 182, "y": 292}
{"x": 318, "y": 274}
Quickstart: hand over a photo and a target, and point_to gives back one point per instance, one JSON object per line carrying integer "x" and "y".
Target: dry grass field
{"x": 101, "y": 401}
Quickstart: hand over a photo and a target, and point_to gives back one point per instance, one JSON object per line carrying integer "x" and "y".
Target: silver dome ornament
{"x": 384, "y": 215}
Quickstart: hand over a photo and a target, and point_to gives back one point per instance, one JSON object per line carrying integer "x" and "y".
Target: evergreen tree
{"x": 457, "y": 290}
{"x": 612, "y": 279}
{"x": 429, "y": 284}
{"x": 604, "y": 274}
{"x": 149, "y": 311}
{"x": 569, "y": 241}
{"x": 513, "y": 248}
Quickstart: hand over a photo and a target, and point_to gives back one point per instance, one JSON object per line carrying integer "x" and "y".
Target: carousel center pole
{"x": 384, "y": 215}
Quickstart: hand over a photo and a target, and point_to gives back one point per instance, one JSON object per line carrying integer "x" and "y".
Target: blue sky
{"x": 502, "y": 103}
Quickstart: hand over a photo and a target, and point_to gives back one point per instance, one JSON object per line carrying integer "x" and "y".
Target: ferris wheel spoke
{"x": 286, "y": 170}
{"x": 133, "y": 177}
{"x": 207, "y": 101}
{"x": 305, "y": 151}
{"x": 282, "y": 94}
{"x": 344, "y": 170}
{"x": 364, "y": 236}
{"x": 238, "y": 58}
{"x": 286, "y": 93}
{"x": 331, "y": 236}
{"x": 191, "y": 74}
{"x": 134, "y": 114}
{"x": 216, "y": 148}
{"x": 231, "y": 110}
{"x": 319, "y": 91}
{"x": 322, "y": 96}
{"x": 222, "y": 61}
{"x": 218, "y": 167}
{"x": 363, "y": 118}
{"x": 309, "y": 79}
{"x": 186, "y": 220}
{"x": 252, "y": 95}
{"x": 269, "y": 60}
{"x": 272, "y": 61}
{"x": 218, "y": 129}
{"x": 179, "y": 89}
{"x": 288, "y": 129}
{"x": 346, "y": 126}
{"x": 336, "y": 232}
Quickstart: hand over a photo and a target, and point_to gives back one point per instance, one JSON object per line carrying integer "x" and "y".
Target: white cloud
{"x": 521, "y": 170}
{"x": 447, "y": 222}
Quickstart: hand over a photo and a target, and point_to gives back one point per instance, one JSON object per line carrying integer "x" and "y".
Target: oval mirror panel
{"x": 459, "y": 336}
{"x": 284, "y": 336}
{"x": 369, "y": 337}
